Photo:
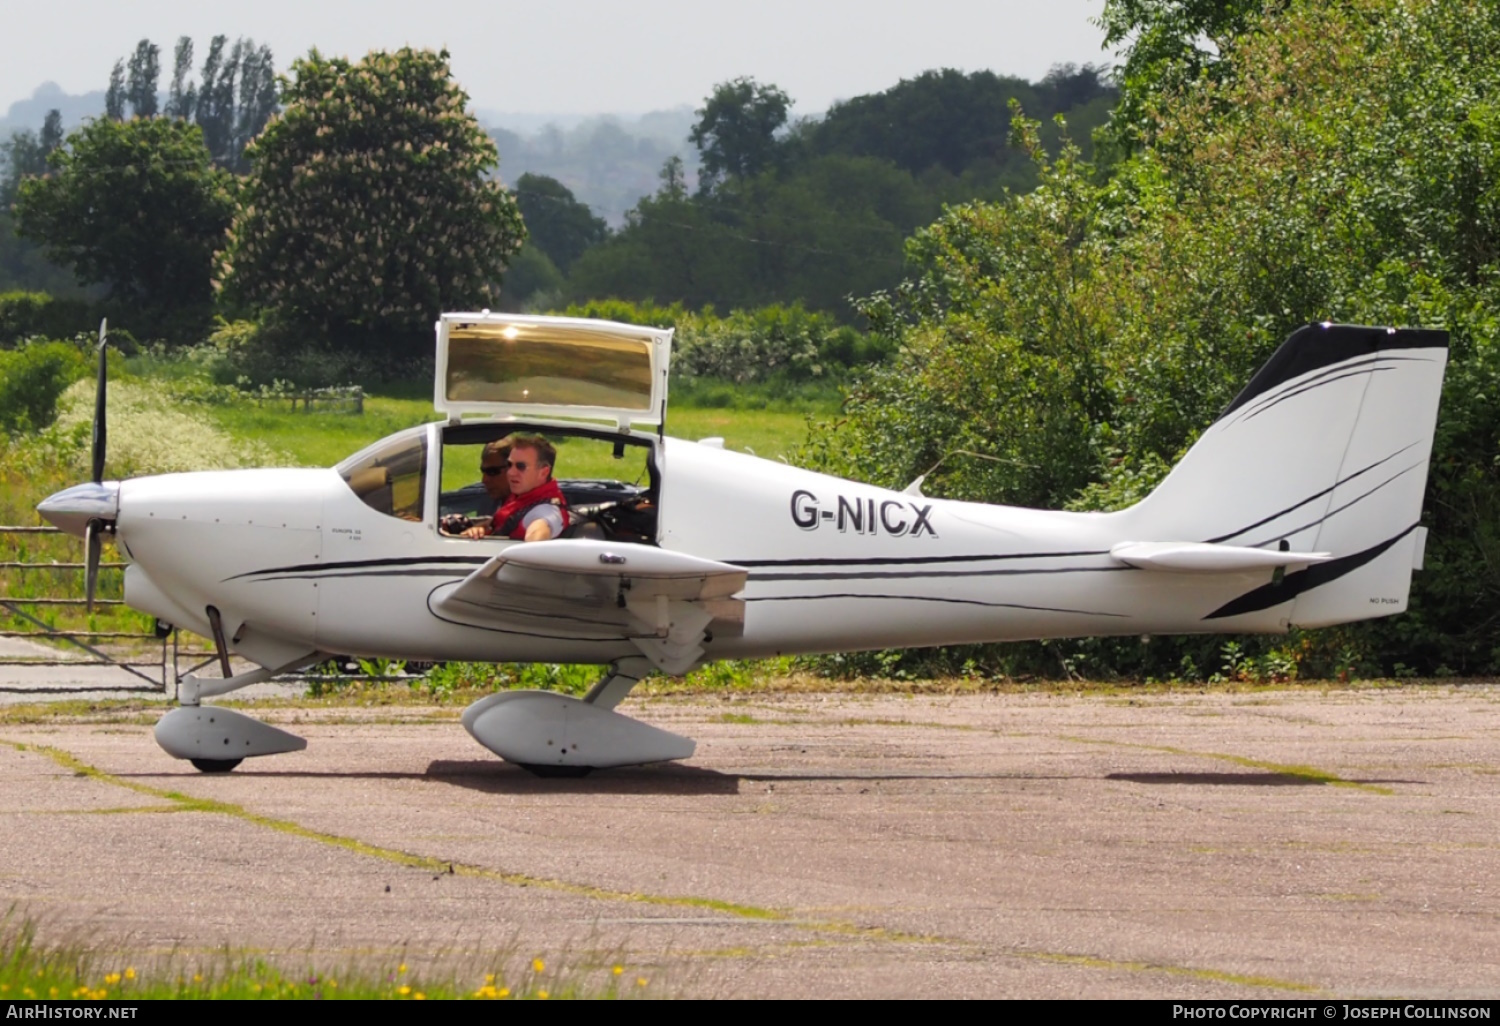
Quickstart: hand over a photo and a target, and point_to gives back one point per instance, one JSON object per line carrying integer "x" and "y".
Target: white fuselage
{"x": 295, "y": 563}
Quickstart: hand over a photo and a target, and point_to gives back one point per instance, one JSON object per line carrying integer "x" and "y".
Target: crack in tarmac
{"x": 852, "y": 931}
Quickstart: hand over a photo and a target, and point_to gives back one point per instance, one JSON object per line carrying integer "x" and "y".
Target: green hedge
{"x": 32, "y": 378}
{"x": 771, "y": 344}
{"x": 26, "y": 315}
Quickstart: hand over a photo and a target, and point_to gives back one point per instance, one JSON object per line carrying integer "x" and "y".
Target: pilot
{"x": 535, "y": 509}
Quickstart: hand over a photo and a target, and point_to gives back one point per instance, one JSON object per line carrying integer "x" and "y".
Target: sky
{"x": 576, "y": 56}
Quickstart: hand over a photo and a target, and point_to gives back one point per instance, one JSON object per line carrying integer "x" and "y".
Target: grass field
{"x": 323, "y": 439}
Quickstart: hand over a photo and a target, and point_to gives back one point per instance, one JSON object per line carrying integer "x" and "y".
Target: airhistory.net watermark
{"x": 48, "y": 1010}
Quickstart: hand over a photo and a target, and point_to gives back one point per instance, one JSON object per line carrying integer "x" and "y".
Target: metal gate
{"x": 47, "y": 645}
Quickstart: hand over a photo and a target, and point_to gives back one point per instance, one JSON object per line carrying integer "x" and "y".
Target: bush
{"x": 31, "y": 380}
{"x": 26, "y": 315}
{"x": 250, "y": 354}
{"x": 774, "y": 345}
{"x": 772, "y": 342}
{"x": 645, "y": 313}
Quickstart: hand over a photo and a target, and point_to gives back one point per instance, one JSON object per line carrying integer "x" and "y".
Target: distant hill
{"x": 609, "y": 161}
{"x": 29, "y": 113}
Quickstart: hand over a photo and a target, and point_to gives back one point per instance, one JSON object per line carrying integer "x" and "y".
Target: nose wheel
{"x": 551, "y": 772}
{"x": 215, "y": 765}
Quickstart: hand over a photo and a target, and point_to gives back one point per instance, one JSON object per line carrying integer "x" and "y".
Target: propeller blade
{"x": 100, "y": 430}
{"x": 94, "y": 540}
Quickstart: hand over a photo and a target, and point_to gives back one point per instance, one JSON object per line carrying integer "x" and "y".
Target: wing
{"x": 662, "y": 601}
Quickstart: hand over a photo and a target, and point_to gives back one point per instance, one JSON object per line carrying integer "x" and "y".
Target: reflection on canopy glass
{"x": 548, "y": 365}
{"x": 391, "y": 477}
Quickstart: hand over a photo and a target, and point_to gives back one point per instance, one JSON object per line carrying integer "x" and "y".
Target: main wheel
{"x": 537, "y": 769}
{"x": 215, "y": 765}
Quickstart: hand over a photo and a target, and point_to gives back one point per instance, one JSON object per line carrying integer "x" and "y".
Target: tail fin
{"x": 1326, "y": 450}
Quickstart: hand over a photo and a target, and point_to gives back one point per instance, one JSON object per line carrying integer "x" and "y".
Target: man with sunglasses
{"x": 535, "y": 509}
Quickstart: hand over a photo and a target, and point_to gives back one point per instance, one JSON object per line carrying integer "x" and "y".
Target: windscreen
{"x": 391, "y": 477}
{"x": 545, "y": 364}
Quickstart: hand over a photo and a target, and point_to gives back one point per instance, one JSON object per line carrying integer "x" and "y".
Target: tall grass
{"x": 34, "y": 969}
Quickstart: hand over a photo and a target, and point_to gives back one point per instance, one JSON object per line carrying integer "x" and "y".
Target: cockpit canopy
{"x": 519, "y": 365}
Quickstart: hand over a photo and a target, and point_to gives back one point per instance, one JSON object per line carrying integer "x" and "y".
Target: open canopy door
{"x": 524, "y": 365}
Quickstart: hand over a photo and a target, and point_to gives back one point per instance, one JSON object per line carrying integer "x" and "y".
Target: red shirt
{"x": 518, "y": 505}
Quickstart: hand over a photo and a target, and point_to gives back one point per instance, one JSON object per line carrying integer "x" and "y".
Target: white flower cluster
{"x": 149, "y": 434}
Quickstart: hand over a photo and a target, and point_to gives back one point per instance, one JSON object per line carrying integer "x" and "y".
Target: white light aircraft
{"x": 1299, "y": 506}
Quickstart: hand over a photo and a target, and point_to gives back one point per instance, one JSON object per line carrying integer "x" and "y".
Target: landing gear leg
{"x": 622, "y": 676}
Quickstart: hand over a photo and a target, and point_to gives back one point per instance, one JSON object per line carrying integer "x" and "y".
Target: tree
{"x": 369, "y": 208}
{"x": 236, "y": 96}
{"x": 943, "y": 118}
{"x": 956, "y": 122}
{"x": 145, "y": 70}
{"x": 557, "y": 224}
{"x": 258, "y": 99}
{"x": 736, "y": 130}
{"x": 233, "y": 101}
{"x": 183, "y": 98}
{"x": 1169, "y": 44}
{"x": 136, "y": 206}
{"x": 114, "y": 97}
{"x": 23, "y": 156}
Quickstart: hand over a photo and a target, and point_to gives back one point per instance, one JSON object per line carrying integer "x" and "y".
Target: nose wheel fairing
{"x": 213, "y": 735}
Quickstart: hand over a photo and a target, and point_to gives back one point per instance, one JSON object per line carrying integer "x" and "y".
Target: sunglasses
{"x": 501, "y": 468}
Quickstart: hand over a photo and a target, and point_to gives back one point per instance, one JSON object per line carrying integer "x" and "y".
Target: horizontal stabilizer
{"x": 1207, "y": 557}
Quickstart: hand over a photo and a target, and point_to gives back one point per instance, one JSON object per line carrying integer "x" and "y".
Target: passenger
{"x": 536, "y": 509}
{"x": 494, "y": 468}
{"x": 494, "y": 465}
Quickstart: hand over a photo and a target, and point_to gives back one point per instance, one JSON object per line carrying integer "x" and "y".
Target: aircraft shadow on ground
{"x": 662, "y": 778}
{"x": 496, "y": 777}
{"x": 1241, "y": 779}
{"x": 502, "y": 778}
